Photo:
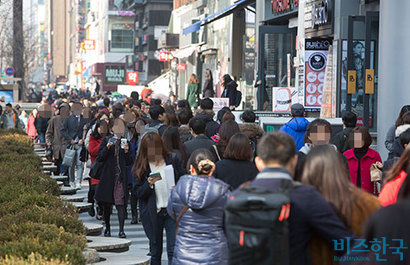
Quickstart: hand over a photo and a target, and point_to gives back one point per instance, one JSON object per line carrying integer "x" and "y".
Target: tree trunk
{"x": 18, "y": 45}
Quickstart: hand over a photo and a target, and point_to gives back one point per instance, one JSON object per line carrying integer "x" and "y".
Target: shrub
{"x": 36, "y": 226}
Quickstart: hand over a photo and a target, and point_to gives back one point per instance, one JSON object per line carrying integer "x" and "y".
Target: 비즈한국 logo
{"x": 357, "y": 249}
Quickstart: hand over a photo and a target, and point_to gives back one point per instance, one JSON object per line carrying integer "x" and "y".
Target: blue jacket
{"x": 309, "y": 213}
{"x": 296, "y": 128}
{"x": 200, "y": 237}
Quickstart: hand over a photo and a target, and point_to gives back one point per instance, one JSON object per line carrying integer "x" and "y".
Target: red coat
{"x": 31, "y": 128}
{"x": 369, "y": 158}
{"x": 93, "y": 146}
{"x": 391, "y": 189}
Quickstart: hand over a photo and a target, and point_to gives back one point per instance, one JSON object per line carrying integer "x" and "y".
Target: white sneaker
{"x": 78, "y": 186}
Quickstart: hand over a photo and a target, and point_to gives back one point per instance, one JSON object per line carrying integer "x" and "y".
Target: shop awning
{"x": 220, "y": 14}
{"x": 184, "y": 52}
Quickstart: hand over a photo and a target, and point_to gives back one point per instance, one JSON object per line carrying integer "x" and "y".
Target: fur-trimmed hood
{"x": 205, "y": 112}
{"x": 252, "y": 130}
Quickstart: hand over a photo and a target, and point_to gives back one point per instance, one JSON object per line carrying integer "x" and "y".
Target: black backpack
{"x": 257, "y": 228}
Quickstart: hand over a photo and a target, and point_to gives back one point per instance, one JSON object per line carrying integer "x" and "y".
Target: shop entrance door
{"x": 360, "y": 65}
{"x": 277, "y": 48}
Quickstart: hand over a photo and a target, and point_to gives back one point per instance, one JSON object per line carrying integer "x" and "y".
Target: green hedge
{"x": 36, "y": 226}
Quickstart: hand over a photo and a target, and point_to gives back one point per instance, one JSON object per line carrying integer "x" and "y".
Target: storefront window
{"x": 278, "y": 54}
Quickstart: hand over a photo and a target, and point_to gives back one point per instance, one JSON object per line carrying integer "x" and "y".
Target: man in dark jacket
{"x": 197, "y": 126}
{"x": 207, "y": 114}
{"x": 404, "y": 140}
{"x": 309, "y": 212}
{"x": 184, "y": 116}
{"x": 296, "y": 127}
{"x": 341, "y": 139}
{"x": 157, "y": 115}
{"x": 44, "y": 115}
{"x": 72, "y": 130}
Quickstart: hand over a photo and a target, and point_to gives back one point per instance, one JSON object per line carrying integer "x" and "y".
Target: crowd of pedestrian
{"x": 222, "y": 189}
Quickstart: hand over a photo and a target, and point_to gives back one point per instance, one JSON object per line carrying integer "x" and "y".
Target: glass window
{"x": 122, "y": 39}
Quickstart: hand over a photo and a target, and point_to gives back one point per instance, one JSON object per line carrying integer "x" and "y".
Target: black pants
{"x": 133, "y": 203}
{"x": 91, "y": 195}
{"x": 107, "y": 209}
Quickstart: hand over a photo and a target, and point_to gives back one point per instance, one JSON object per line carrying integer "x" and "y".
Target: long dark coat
{"x": 147, "y": 198}
{"x": 105, "y": 189}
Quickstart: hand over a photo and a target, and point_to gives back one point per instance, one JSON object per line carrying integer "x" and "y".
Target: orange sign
{"x": 132, "y": 78}
{"x": 89, "y": 45}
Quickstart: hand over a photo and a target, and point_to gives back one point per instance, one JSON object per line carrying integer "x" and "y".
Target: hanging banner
{"x": 316, "y": 53}
{"x": 283, "y": 98}
{"x": 326, "y": 109}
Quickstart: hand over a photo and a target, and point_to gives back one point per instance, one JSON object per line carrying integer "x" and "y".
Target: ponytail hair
{"x": 202, "y": 161}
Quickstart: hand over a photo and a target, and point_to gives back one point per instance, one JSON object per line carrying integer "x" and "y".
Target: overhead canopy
{"x": 220, "y": 14}
{"x": 184, "y": 52}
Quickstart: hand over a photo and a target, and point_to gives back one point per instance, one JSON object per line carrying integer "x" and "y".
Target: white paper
{"x": 169, "y": 176}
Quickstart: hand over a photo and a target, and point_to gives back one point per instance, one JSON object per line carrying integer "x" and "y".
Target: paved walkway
{"x": 134, "y": 232}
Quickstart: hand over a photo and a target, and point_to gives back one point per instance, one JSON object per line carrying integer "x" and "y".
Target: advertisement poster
{"x": 316, "y": 52}
{"x": 7, "y": 96}
{"x": 283, "y": 98}
{"x": 219, "y": 103}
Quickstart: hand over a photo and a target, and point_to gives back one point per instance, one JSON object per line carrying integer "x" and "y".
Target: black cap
{"x": 297, "y": 110}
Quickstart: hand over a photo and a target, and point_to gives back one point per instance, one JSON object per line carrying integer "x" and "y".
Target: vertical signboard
{"x": 316, "y": 52}
{"x": 369, "y": 89}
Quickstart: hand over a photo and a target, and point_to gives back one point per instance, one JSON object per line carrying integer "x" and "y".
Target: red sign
{"x": 132, "y": 78}
{"x": 181, "y": 67}
{"x": 89, "y": 45}
{"x": 163, "y": 57}
{"x": 279, "y": 6}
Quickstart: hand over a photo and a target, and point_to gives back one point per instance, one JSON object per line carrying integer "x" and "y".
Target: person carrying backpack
{"x": 341, "y": 139}
{"x": 230, "y": 91}
{"x": 272, "y": 219}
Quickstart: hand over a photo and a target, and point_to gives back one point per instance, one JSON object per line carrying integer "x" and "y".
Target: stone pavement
{"x": 139, "y": 242}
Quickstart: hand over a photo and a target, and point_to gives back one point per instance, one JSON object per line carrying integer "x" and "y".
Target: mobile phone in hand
{"x": 156, "y": 175}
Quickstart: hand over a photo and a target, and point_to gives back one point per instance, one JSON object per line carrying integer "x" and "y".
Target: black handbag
{"x": 96, "y": 169}
{"x": 84, "y": 154}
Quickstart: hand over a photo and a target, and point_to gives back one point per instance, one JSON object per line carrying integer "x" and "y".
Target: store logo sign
{"x": 320, "y": 14}
{"x": 317, "y": 61}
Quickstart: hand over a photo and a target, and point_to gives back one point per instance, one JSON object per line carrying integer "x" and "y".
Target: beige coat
{"x": 54, "y": 137}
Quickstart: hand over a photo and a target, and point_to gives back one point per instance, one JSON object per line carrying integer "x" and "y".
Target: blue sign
{"x": 10, "y": 71}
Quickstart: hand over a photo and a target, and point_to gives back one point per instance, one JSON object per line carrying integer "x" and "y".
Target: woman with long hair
{"x": 197, "y": 203}
{"x": 208, "y": 90}
{"x": 226, "y": 131}
{"x": 230, "y": 88}
{"x": 193, "y": 91}
{"x": 173, "y": 144}
{"x": 325, "y": 170}
{"x": 360, "y": 158}
{"x": 152, "y": 189}
{"x": 236, "y": 167}
{"x": 113, "y": 185}
{"x": 391, "y": 135}
{"x": 394, "y": 179}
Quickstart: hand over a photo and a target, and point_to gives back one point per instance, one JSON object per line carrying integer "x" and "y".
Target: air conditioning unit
{"x": 168, "y": 40}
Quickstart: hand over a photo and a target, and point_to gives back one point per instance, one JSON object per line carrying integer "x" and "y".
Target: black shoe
{"x": 107, "y": 233}
{"x": 91, "y": 212}
{"x": 122, "y": 235}
{"x": 149, "y": 253}
{"x": 134, "y": 221}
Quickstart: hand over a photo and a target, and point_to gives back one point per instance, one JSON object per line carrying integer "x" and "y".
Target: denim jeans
{"x": 163, "y": 221}
{"x": 77, "y": 166}
{"x": 42, "y": 138}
